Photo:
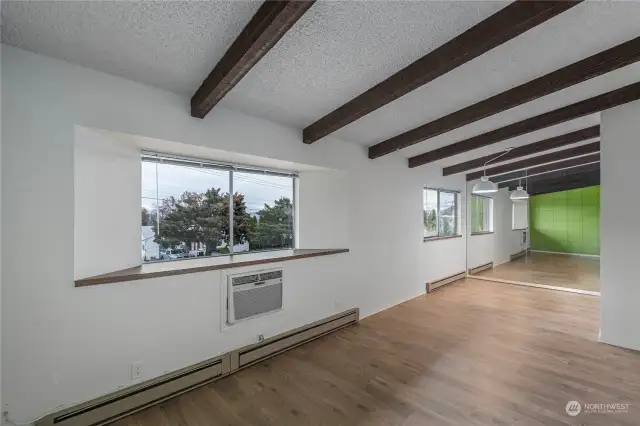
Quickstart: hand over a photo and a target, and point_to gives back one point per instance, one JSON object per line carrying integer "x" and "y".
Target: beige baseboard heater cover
{"x": 433, "y": 285}
{"x": 480, "y": 268}
{"x": 111, "y": 407}
{"x": 518, "y": 255}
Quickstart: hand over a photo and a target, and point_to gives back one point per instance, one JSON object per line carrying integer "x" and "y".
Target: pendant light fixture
{"x": 520, "y": 194}
{"x": 485, "y": 186}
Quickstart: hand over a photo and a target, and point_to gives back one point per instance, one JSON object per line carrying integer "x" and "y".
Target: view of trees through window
{"x": 185, "y": 211}
{"x": 440, "y": 213}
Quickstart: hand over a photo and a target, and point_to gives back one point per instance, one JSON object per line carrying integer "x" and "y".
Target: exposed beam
{"x": 504, "y": 25}
{"x": 572, "y": 162}
{"x": 553, "y": 175}
{"x": 532, "y": 148}
{"x": 272, "y": 20}
{"x": 576, "y": 181}
{"x": 593, "y": 66}
{"x": 570, "y": 112}
{"x": 590, "y": 148}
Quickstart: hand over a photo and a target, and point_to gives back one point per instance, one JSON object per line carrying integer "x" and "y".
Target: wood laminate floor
{"x": 472, "y": 353}
{"x": 572, "y": 272}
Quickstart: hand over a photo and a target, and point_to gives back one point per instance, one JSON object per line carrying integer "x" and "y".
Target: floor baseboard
{"x": 597, "y": 256}
{"x": 547, "y": 287}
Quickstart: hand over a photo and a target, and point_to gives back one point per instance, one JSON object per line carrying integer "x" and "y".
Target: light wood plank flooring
{"x": 472, "y": 353}
{"x": 572, "y": 272}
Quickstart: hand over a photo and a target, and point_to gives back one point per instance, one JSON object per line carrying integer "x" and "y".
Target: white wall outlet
{"x": 136, "y": 370}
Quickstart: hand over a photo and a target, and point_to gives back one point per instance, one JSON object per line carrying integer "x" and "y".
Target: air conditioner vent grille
{"x": 272, "y": 275}
{"x": 256, "y": 301}
{"x": 254, "y": 293}
{"x": 246, "y": 279}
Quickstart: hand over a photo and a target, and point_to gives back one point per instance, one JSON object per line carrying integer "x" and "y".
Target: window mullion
{"x": 438, "y": 213}
{"x": 231, "y": 206}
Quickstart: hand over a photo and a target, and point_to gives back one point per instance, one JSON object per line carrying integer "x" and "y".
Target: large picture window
{"x": 481, "y": 214}
{"x": 440, "y": 213}
{"x": 193, "y": 208}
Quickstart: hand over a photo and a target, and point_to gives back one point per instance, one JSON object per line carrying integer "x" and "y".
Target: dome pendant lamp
{"x": 519, "y": 194}
{"x": 485, "y": 186}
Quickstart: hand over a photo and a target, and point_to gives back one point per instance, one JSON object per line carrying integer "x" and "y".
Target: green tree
{"x": 273, "y": 226}
{"x": 445, "y": 224}
{"x": 430, "y": 221}
{"x": 145, "y": 217}
{"x": 201, "y": 218}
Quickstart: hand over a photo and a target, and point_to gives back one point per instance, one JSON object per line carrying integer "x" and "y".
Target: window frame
{"x": 513, "y": 214}
{"x": 457, "y": 233}
{"x": 491, "y": 217}
{"x": 185, "y": 161}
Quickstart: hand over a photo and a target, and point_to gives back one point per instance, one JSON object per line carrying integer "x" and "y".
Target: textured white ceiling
{"x": 336, "y": 51}
{"x": 172, "y": 45}
{"x": 340, "y": 49}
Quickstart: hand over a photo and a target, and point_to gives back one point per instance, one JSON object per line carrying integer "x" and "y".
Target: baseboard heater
{"x": 120, "y": 404}
{"x": 112, "y": 407}
{"x": 433, "y": 285}
{"x": 518, "y": 255}
{"x": 252, "y": 354}
{"x": 480, "y": 268}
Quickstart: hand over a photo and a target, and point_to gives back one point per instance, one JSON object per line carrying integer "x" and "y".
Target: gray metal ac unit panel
{"x": 257, "y": 300}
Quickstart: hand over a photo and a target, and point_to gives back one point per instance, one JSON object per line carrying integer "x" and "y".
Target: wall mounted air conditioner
{"x": 250, "y": 294}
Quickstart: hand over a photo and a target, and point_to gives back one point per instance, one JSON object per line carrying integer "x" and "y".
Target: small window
{"x": 520, "y": 215}
{"x": 481, "y": 214}
{"x": 440, "y": 213}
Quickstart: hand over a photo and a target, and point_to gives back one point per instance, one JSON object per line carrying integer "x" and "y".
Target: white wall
{"x": 322, "y": 198}
{"x": 66, "y": 344}
{"x": 106, "y": 204}
{"x": 619, "y": 230}
{"x": 1, "y": 391}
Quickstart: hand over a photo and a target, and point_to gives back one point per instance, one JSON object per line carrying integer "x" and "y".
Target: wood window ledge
{"x": 448, "y": 237}
{"x": 482, "y": 233}
{"x": 192, "y": 266}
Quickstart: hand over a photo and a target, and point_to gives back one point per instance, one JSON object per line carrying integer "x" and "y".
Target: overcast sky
{"x": 258, "y": 189}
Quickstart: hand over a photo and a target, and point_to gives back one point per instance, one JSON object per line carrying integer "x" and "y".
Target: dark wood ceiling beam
{"x": 572, "y": 162}
{"x": 578, "y": 72}
{"x": 504, "y": 25}
{"x": 551, "y": 175}
{"x": 524, "y": 150}
{"x": 590, "y": 148}
{"x": 272, "y": 20}
{"x": 570, "y": 112}
{"x": 575, "y": 181}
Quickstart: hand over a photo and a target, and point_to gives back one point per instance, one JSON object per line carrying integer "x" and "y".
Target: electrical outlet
{"x": 136, "y": 370}
{"x": 260, "y": 338}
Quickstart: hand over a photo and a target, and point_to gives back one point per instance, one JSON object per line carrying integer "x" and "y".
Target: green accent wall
{"x": 567, "y": 221}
